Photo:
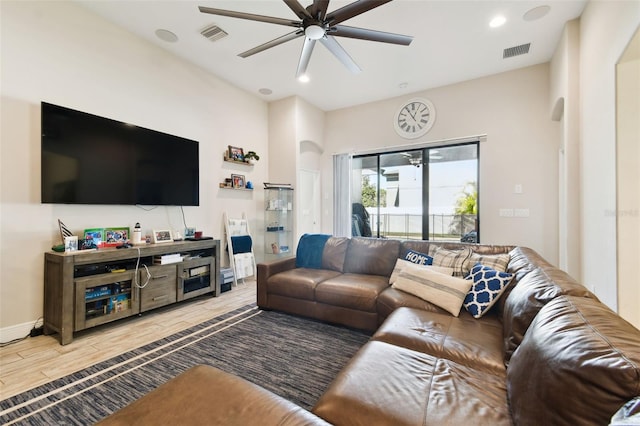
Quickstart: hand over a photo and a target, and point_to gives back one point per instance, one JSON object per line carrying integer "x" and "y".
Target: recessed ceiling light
{"x": 498, "y": 21}
{"x": 303, "y": 78}
{"x": 536, "y": 13}
{"x": 166, "y": 35}
{"x": 265, "y": 91}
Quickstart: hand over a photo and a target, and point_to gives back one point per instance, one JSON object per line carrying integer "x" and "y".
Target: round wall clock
{"x": 414, "y": 118}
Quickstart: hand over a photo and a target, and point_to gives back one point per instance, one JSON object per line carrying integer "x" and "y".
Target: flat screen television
{"x": 88, "y": 159}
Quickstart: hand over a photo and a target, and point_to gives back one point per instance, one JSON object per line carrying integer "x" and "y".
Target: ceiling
{"x": 452, "y": 43}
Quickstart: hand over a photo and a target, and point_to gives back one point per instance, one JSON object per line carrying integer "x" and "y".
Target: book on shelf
{"x": 167, "y": 259}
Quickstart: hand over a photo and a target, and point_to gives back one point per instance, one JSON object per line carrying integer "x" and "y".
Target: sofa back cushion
{"x": 537, "y": 288}
{"x": 335, "y": 251}
{"x": 579, "y": 363}
{"x": 372, "y": 256}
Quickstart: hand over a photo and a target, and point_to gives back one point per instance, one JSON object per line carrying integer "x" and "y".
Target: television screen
{"x": 88, "y": 159}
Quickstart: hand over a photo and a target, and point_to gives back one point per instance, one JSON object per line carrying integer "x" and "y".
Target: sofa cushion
{"x": 535, "y": 289}
{"x": 353, "y": 291}
{"x": 373, "y": 256}
{"x": 334, "y": 253}
{"x": 186, "y": 400}
{"x": 299, "y": 283}
{"x": 402, "y": 265}
{"x": 579, "y": 363}
{"x": 463, "y": 340}
{"x": 488, "y": 285}
{"x": 309, "y": 251}
{"x": 440, "y": 289}
{"x": 456, "y": 259}
{"x": 417, "y": 257}
{"x": 385, "y": 384}
{"x": 391, "y": 299}
{"x": 499, "y": 262}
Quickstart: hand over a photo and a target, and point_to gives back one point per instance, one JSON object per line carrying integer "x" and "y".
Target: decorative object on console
{"x": 137, "y": 234}
{"x": 70, "y": 243}
{"x": 94, "y": 235}
{"x": 189, "y": 232}
{"x": 64, "y": 231}
{"x": 162, "y": 236}
{"x": 115, "y": 236}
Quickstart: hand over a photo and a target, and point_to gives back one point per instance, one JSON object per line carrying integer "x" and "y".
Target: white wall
{"x": 605, "y": 30}
{"x": 565, "y": 107}
{"x": 521, "y": 147}
{"x": 59, "y": 53}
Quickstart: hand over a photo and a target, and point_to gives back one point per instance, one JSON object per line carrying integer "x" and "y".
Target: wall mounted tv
{"x": 88, "y": 159}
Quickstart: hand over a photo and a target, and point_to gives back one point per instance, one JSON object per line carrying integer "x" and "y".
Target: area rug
{"x": 293, "y": 357}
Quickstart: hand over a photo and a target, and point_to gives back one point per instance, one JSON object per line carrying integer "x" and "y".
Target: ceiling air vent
{"x": 510, "y": 52}
{"x": 213, "y": 32}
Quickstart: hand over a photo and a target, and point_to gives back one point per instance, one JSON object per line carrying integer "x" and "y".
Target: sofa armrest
{"x": 267, "y": 269}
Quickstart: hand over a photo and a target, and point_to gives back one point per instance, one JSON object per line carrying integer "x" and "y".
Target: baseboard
{"x": 18, "y": 331}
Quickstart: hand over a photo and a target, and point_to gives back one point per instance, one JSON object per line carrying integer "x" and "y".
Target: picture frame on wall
{"x": 238, "y": 181}
{"x": 162, "y": 236}
{"x": 236, "y": 153}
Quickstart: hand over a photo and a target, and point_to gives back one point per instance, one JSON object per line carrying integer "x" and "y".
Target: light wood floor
{"x": 39, "y": 360}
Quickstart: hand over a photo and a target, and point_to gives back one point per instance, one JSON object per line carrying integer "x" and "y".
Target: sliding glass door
{"x": 428, "y": 193}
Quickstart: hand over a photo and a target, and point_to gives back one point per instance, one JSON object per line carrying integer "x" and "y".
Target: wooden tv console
{"x": 86, "y": 289}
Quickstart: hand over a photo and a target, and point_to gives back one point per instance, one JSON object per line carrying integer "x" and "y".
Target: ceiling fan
{"x": 316, "y": 24}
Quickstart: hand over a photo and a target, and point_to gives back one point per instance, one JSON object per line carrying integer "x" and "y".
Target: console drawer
{"x": 161, "y": 289}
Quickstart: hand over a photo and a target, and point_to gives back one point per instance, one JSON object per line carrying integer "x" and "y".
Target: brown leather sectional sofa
{"x": 548, "y": 352}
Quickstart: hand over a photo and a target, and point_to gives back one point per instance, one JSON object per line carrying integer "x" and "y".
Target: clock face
{"x": 415, "y": 118}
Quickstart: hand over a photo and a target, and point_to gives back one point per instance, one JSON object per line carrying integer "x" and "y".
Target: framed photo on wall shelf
{"x": 162, "y": 236}
{"x": 238, "y": 181}
{"x": 236, "y": 154}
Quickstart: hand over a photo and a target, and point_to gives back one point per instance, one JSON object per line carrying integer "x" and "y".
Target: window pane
{"x": 427, "y": 193}
{"x": 453, "y": 194}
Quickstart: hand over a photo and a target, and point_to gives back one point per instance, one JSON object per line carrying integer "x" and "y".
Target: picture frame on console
{"x": 162, "y": 236}
{"x": 236, "y": 153}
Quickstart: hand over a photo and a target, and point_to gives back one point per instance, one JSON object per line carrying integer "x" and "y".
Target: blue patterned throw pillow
{"x": 488, "y": 285}
{"x": 418, "y": 258}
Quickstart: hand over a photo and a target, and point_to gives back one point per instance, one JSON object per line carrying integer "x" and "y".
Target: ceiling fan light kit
{"x": 316, "y": 24}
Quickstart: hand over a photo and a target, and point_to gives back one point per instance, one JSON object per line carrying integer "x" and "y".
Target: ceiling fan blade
{"x": 298, "y": 9}
{"x": 250, "y": 16}
{"x": 353, "y": 9}
{"x": 283, "y": 39}
{"x": 319, "y": 9}
{"x": 305, "y": 56}
{"x": 339, "y": 52}
{"x": 371, "y": 35}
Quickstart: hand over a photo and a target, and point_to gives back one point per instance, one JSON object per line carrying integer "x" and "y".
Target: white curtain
{"x": 342, "y": 195}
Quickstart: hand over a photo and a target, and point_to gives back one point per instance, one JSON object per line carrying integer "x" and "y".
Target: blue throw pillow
{"x": 418, "y": 258}
{"x": 309, "y": 252}
{"x": 488, "y": 285}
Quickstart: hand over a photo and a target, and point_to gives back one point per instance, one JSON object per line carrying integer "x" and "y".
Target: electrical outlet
{"x": 506, "y": 213}
{"x": 517, "y": 189}
{"x": 521, "y": 212}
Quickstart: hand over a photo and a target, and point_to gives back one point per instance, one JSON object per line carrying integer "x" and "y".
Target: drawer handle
{"x": 155, "y": 299}
{"x": 159, "y": 277}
